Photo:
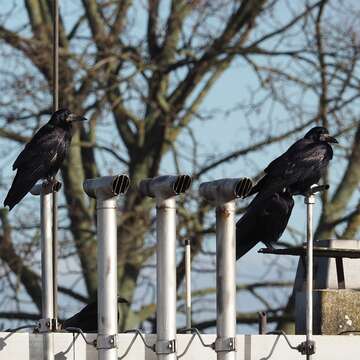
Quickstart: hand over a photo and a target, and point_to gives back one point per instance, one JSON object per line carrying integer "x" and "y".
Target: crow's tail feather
{"x": 21, "y": 185}
{"x": 243, "y": 248}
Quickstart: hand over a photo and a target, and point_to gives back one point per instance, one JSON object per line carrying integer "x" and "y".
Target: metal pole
{"x": 225, "y": 281}
{"x": 55, "y": 55}
{"x": 105, "y": 190}
{"x": 46, "y": 256}
{"x": 188, "y": 283}
{"x": 107, "y": 279}
{"x": 166, "y": 279}
{"x": 164, "y": 189}
{"x": 309, "y": 201}
{"x": 47, "y": 299}
{"x": 223, "y": 193}
{"x": 48, "y": 346}
{"x": 262, "y": 322}
{"x": 55, "y": 107}
{"x": 48, "y": 321}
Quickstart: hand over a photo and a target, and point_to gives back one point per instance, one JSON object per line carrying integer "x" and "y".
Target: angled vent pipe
{"x": 107, "y": 186}
{"x": 224, "y": 190}
{"x": 165, "y": 186}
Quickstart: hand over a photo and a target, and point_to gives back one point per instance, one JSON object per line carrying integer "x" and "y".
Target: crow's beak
{"x": 331, "y": 139}
{"x": 74, "y": 118}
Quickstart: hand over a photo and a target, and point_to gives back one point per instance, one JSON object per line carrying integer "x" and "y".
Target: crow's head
{"x": 64, "y": 118}
{"x": 320, "y": 133}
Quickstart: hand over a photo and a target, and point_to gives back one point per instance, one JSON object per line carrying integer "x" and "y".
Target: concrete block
{"x": 335, "y": 311}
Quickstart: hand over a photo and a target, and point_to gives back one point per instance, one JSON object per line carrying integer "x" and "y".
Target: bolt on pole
{"x": 164, "y": 189}
{"x": 105, "y": 190}
{"x": 222, "y": 193}
{"x": 48, "y": 320}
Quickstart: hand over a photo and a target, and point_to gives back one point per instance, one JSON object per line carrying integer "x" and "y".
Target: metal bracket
{"x": 2, "y": 343}
{"x": 47, "y": 325}
{"x": 307, "y": 347}
{"x": 225, "y": 344}
{"x": 106, "y": 341}
{"x": 165, "y": 346}
{"x": 309, "y": 199}
{"x": 316, "y": 188}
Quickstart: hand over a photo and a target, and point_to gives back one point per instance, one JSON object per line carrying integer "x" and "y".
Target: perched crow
{"x": 87, "y": 318}
{"x": 263, "y": 221}
{"x": 42, "y": 156}
{"x": 301, "y": 166}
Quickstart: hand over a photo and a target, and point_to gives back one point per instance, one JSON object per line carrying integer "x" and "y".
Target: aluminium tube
{"x": 55, "y": 89}
{"x": 105, "y": 190}
{"x": 262, "y": 322}
{"x": 166, "y": 278}
{"x": 309, "y": 201}
{"x": 47, "y": 307}
{"x": 225, "y": 281}
{"x": 107, "y": 278}
{"x": 188, "y": 283}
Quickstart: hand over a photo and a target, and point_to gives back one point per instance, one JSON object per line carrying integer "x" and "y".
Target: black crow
{"x": 301, "y": 166}
{"x": 42, "y": 156}
{"x": 263, "y": 221}
{"x": 87, "y": 318}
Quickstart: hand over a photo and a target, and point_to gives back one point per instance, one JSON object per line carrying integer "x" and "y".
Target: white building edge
{"x": 69, "y": 346}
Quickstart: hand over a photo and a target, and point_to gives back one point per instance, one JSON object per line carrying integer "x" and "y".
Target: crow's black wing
{"x": 24, "y": 180}
{"x": 42, "y": 142}
{"x": 298, "y": 157}
{"x": 87, "y": 318}
{"x": 245, "y": 239}
{"x": 34, "y": 163}
{"x": 277, "y": 214}
{"x": 263, "y": 221}
{"x": 303, "y": 161}
{"x": 249, "y": 229}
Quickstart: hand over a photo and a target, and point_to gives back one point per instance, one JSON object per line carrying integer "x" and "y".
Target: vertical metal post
{"x": 164, "y": 189}
{"x": 107, "y": 278}
{"x": 309, "y": 201}
{"x": 262, "y": 322}
{"x": 55, "y": 107}
{"x": 46, "y": 256}
{"x": 47, "y": 293}
{"x": 48, "y": 321}
{"x": 166, "y": 278}
{"x": 55, "y": 55}
{"x": 223, "y": 193}
{"x": 225, "y": 281}
{"x": 188, "y": 283}
{"x": 105, "y": 190}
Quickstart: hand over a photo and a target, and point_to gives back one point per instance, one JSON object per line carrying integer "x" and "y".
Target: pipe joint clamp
{"x": 106, "y": 341}
{"x": 307, "y": 347}
{"x": 165, "y": 346}
{"x": 47, "y": 325}
{"x": 225, "y": 344}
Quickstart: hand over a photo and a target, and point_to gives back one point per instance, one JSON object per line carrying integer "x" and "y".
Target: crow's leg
{"x": 269, "y": 245}
{"x": 51, "y": 181}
